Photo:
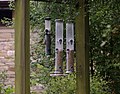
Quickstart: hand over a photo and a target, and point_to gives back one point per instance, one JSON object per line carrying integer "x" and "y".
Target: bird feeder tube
{"x": 47, "y": 36}
{"x": 58, "y": 48}
{"x": 70, "y": 47}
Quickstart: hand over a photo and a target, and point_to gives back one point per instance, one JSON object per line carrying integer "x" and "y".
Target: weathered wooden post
{"x": 82, "y": 51}
{"x": 22, "y": 47}
{"x": 0, "y": 89}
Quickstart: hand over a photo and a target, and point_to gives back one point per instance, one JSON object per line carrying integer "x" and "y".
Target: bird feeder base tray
{"x": 69, "y": 72}
{"x": 56, "y": 74}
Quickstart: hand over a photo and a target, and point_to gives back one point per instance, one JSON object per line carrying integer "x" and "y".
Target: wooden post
{"x": 22, "y": 47}
{"x": 82, "y": 45}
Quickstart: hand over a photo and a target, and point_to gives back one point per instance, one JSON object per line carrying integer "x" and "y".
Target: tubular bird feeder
{"x": 69, "y": 47}
{"x": 47, "y": 36}
{"x": 58, "y": 48}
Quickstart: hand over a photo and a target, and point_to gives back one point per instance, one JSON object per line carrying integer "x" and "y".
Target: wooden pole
{"x": 22, "y": 47}
{"x": 82, "y": 45}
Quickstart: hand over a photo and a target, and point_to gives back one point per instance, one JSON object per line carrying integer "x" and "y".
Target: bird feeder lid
{"x": 47, "y": 18}
{"x": 59, "y": 20}
{"x": 70, "y": 21}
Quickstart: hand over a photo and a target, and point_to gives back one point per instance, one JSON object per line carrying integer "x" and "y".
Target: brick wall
{"x": 7, "y": 54}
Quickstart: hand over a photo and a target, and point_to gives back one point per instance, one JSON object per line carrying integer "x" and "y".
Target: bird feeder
{"x": 58, "y": 47}
{"x": 70, "y": 47}
{"x": 47, "y": 36}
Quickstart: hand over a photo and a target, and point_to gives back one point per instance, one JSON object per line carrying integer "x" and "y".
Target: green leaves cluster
{"x": 4, "y": 89}
{"x": 98, "y": 86}
{"x": 104, "y": 41}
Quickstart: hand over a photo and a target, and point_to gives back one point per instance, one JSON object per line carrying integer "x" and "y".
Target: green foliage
{"x": 62, "y": 85}
{"x": 8, "y": 22}
{"x": 40, "y": 10}
{"x": 12, "y": 5}
{"x": 8, "y": 90}
{"x": 98, "y": 86}
{"x": 104, "y": 41}
{"x": 40, "y": 75}
{"x": 3, "y": 88}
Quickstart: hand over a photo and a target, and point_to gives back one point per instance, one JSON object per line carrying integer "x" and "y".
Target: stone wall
{"x": 7, "y": 54}
{"x": 7, "y": 57}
